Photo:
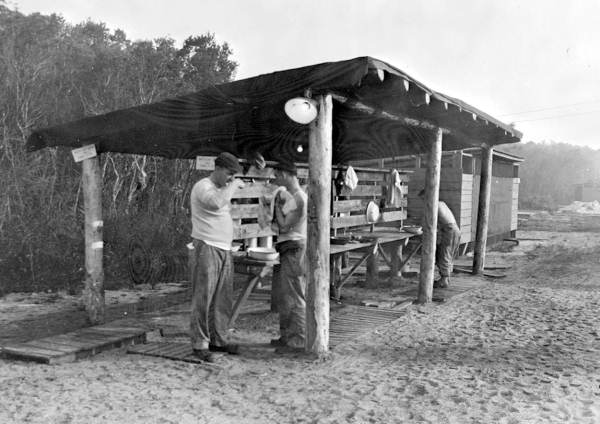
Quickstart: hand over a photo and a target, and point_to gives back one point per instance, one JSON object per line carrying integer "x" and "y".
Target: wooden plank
{"x": 350, "y": 205}
{"x": 25, "y": 349}
{"x": 244, "y": 231}
{"x": 80, "y": 342}
{"x": 356, "y": 205}
{"x": 357, "y": 220}
{"x": 50, "y": 345}
{"x": 241, "y": 211}
{"x": 252, "y": 190}
{"x": 362, "y": 191}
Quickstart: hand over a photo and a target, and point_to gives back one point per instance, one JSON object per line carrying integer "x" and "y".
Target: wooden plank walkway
{"x": 178, "y": 351}
{"x": 354, "y": 321}
{"x": 457, "y": 287}
{"x": 351, "y": 323}
{"x": 74, "y": 345}
{"x": 347, "y": 323}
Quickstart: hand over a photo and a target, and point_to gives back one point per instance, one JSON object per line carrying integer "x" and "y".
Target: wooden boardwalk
{"x": 347, "y": 323}
{"x": 74, "y": 345}
{"x": 351, "y": 323}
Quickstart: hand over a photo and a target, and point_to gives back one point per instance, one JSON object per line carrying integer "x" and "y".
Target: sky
{"x": 534, "y": 63}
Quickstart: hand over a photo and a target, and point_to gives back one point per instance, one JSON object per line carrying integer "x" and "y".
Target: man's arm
{"x": 214, "y": 199}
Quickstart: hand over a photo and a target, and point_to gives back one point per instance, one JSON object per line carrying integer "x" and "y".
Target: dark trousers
{"x": 212, "y": 296}
{"x": 448, "y": 239}
{"x": 289, "y": 283}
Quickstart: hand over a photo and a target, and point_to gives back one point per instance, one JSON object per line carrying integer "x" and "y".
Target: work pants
{"x": 448, "y": 240}
{"x": 289, "y": 280}
{"x": 212, "y": 296}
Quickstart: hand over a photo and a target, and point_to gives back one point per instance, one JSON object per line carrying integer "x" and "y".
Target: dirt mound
{"x": 582, "y": 207}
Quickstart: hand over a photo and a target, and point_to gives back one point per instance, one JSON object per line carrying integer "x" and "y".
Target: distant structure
{"x": 587, "y": 192}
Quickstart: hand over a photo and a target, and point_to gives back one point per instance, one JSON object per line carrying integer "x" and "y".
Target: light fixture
{"x": 300, "y": 149}
{"x": 302, "y": 110}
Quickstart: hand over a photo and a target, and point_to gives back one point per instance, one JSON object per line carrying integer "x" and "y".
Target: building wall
{"x": 459, "y": 188}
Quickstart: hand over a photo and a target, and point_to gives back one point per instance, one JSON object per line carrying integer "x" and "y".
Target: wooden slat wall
{"x": 460, "y": 190}
{"x": 455, "y": 190}
{"x": 515, "y": 205}
{"x": 349, "y": 206}
{"x": 503, "y": 205}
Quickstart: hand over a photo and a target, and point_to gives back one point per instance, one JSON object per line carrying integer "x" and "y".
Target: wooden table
{"x": 373, "y": 244}
{"x": 257, "y": 270}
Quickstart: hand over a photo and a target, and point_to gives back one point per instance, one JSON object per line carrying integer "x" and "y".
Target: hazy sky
{"x": 532, "y": 62}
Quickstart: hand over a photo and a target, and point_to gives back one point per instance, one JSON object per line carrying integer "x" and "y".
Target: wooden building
{"x": 366, "y": 109}
{"x": 459, "y": 188}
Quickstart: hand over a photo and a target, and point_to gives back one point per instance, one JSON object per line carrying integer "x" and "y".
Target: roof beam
{"x": 369, "y": 110}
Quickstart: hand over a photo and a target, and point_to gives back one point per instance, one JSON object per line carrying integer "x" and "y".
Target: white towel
{"x": 351, "y": 179}
{"x": 395, "y": 189}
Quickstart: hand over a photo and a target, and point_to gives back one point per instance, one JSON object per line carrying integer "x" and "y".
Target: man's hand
{"x": 237, "y": 183}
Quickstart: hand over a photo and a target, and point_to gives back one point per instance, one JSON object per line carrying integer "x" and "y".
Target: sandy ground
{"x": 18, "y": 306}
{"x": 524, "y": 349}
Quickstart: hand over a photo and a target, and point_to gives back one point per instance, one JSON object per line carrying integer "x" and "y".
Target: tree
{"x": 53, "y": 72}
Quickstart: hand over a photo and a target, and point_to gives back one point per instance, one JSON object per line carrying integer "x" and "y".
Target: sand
{"x": 524, "y": 349}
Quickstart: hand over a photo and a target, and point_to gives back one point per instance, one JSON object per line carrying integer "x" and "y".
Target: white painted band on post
{"x": 97, "y": 245}
{"x": 97, "y": 224}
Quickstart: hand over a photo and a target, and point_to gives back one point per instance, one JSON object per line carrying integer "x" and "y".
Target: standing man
{"x": 447, "y": 242}
{"x": 212, "y": 275}
{"x": 290, "y": 277}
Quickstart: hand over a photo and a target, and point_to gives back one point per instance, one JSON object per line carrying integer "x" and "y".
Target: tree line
{"x": 53, "y": 72}
{"x": 550, "y": 171}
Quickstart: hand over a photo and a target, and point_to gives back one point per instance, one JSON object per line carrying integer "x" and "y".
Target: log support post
{"x": 319, "y": 198}
{"x": 483, "y": 210}
{"x": 430, "y": 211}
{"x": 93, "y": 292}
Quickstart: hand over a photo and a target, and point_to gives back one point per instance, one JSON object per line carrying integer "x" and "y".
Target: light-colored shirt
{"x": 211, "y": 217}
{"x": 445, "y": 215}
{"x": 297, "y": 216}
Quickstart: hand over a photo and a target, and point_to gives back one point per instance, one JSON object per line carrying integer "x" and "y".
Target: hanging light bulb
{"x": 300, "y": 149}
{"x": 301, "y": 110}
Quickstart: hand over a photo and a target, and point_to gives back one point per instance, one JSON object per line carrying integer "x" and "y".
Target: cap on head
{"x": 286, "y": 166}
{"x": 228, "y": 161}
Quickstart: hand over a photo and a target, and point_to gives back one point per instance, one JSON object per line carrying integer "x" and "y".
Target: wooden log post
{"x": 430, "y": 212}
{"x": 319, "y": 198}
{"x": 483, "y": 209}
{"x": 93, "y": 292}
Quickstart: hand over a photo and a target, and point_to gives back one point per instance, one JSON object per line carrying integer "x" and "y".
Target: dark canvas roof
{"x": 247, "y": 115}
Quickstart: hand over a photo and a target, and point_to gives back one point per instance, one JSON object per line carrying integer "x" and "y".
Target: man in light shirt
{"x": 212, "y": 275}
{"x": 290, "y": 277}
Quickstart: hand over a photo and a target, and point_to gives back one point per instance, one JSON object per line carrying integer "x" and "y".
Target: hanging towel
{"x": 351, "y": 179}
{"x": 396, "y": 190}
